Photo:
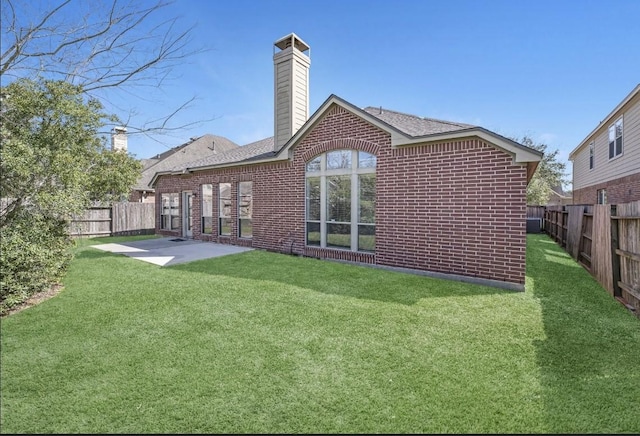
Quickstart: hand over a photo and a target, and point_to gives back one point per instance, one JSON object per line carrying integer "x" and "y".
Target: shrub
{"x": 35, "y": 253}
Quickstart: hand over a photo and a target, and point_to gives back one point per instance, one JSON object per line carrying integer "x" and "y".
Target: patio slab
{"x": 171, "y": 251}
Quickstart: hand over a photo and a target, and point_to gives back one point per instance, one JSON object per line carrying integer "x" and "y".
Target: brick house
{"x": 366, "y": 185}
{"x": 606, "y": 164}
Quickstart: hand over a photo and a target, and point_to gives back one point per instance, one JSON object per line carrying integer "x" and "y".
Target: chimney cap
{"x": 289, "y": 40}
{"x": 119, "y": 129}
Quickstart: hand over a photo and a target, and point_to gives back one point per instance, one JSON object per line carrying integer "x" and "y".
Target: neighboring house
{"x": 195, "y": 148}
{"x": 606, "y": 164}
{"x": 559, "y": 198}
{"x": 361, "y": 185}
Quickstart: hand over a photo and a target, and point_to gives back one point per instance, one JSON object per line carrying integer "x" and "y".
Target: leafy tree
{"x": 60, "y": 60}
{"x": 549, "y": 174}
{"x": 53, "y": 164}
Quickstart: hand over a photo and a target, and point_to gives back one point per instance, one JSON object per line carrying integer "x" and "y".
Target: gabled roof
{"x": 410, "y": 130}
{"x": 606, "y": 121}
{"x": 196, "y": 148}
{"x": 404, "y": 130}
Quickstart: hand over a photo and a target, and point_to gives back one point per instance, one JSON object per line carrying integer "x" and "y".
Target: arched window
{"x": 340, "y": 200}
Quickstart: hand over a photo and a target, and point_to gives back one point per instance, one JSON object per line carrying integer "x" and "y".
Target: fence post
{"x": 615, "y": 258}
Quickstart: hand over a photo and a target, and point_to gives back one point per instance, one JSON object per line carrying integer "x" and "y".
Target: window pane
{"x": 619, "y": 129}
{"x": 313, "y": 165}
{"x": 339, "y": 159}
{"x": 366, "y": 160}
{"x": 611, "y": 149}
{"x": 367, "y": 193}
{"x": 313, "y": 198}
{"x": 166, "y": 204}
{"x": 618, "y": 146}
{"x": 366, "y": 238}
{"x": 207, "y": 224}
{"x": 612, "y": 134}
{"x": 207, "y": 209}
{"x": 339, "y": 198}
{"x": 175, "y": 209}
{"x": 225, "y": 200}
{"x": 175, "y": 222}
{"x": 339, "y": 235}
{"x": 245, "y": 199}
{"x": 225, "y": 226}
{"x": 246, "y": 228}
{"x": 313, "y": 234}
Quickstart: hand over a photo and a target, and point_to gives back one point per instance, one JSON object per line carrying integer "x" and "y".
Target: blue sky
{"x": 548, "y": 69}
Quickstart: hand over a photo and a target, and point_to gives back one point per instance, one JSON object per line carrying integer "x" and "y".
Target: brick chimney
{"x": 119, "y": 139}
{"x": 291, "y": 60}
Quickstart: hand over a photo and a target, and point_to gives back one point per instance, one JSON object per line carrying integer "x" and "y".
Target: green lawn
{"x": 269, "y": 343}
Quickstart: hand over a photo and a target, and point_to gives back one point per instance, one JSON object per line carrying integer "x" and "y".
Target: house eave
{"x": 614, "y": 113}
{"x": 520, "y": 153}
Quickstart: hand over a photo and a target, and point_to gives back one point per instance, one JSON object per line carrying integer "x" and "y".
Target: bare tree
{"x": 99, "y": 45}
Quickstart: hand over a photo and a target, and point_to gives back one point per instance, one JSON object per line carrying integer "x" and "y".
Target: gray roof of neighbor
{"x": 197, "y": 148}
{"x": 414, "y": 125}
{"x": 255, "y": 150}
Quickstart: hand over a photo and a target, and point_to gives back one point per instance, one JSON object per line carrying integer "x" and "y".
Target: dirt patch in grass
{"x": 36, "y": 298}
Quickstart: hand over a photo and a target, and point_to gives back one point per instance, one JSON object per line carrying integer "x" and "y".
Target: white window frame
{"x": 601, "y": 196}
{"x": 613, "y": 139}
{"x": 250, "y": 217}
{"x": 354, "y": 172}
{"x": 221, "y": 215}
{"x": 206, "y": 212}
{"x": 174, "y": 212}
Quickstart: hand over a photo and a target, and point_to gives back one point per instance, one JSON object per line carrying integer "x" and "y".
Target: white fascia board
{"x": 520, "y": 153}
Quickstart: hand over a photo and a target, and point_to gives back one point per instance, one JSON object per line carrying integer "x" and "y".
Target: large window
{"x": 615, "y": 139}
{"x": 224, "y": 221}
{"x": 245, "y": 209}
{"x": 207, "y": 209}
{"x": 169, "y": 215}
{"x": 340, "y": 200}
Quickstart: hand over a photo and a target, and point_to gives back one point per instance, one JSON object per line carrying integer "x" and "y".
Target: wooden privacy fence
{"x": 605, "y": 239}
{"x": 117, "y": 220}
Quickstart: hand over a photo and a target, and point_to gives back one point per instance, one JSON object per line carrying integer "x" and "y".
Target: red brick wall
{"x": 622, "y": 190}
{"x": 455, "y": 208}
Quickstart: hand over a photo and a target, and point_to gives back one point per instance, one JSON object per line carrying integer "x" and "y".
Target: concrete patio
{"x": 171, "y": 251}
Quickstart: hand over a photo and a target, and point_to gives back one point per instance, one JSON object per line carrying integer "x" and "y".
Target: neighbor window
{"x": 245, "y": 209}
{"x": 615, "y": 139}
{"x": 207, "y": 209}
{"x": 169, "y": 218}
{"x": 340, "y": 200}
{"x": 224, "y": 222}
{"x": 591, "y": 150}
{"x": 602, "y": 196}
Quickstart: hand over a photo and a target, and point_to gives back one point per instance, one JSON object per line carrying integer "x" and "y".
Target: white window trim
{"x": 239, "y": 204}
{"x": 613, "y": 126}
{"x": 353, "y": 172}
{"x": 221, "y": 209}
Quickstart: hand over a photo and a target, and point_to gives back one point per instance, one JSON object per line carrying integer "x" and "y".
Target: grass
{"x": 268, "y": 343}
